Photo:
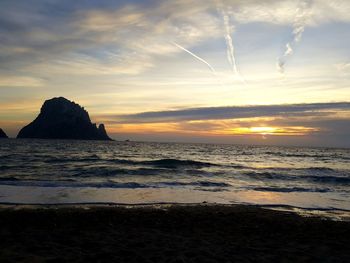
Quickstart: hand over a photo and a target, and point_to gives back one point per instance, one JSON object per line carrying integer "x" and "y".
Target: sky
{"x": 215, "y": 71}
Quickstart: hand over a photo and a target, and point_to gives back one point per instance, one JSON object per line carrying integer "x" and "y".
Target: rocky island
{"x": 2, "y": 134}
{"x": 60, "y": 118}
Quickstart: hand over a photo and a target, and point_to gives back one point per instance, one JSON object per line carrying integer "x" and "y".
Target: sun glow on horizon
{"x": 263, "y": 130}
{"x": 278, "y": 131}
{"x": 211, "y": 128}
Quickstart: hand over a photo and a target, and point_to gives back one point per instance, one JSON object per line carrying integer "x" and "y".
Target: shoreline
{"x": 301, "y": 201}
{"x": 168, "y": 233}
{"x": 334, "y": 214}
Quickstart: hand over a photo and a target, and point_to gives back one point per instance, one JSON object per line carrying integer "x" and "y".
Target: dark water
{"x": 305, "y": 177}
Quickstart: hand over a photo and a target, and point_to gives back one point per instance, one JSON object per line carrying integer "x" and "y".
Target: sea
{"x": 301, "y": 179}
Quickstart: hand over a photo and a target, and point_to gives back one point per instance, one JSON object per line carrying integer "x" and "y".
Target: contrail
{"x": 197, "y": 57}
{"x": 301, "y": 16}
{"x": 229, "y": 43}
{"x": 201, "y": 60}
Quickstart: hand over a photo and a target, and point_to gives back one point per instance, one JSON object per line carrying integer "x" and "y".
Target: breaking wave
{"x": 108, "y": 184}
{"x": 291, "y": 189}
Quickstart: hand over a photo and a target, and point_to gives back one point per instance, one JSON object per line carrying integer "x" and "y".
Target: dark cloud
{"x": 233, "y": 112}
{"x": 330, "y": 121}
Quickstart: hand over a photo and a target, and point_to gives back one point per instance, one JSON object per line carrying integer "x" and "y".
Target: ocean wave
{"x": 308, "y": 155}
{"x": 108, "y": 184}
{"x": 239, "y": 166}
{"x": 297, "y": 155}
{"x": 330, "y": 179}
{"x": 70, "y": 184}
{"x": 5, "y": 167}
{"x": 314, "y": 178}
{"x": 4, "y": 179}
{"x": 199, "y": 183}
{"x": 123, "y": 161}
{"x": 291, "y": 189}
{"x": 7, "y": 156}
{"x": 100, "y": 172}
{"x": 319, "y": 169}
{"x": 295, "y": 173}
{"x": 175, "y": 163}
{"x": 142, "y": 171}
{"x": 267, "y": 175}
{"x": 214, "y": 189}
{"x": 69, "y": 160}
{"x": 316, "y": 169}
{"x": 246, "y": 153}
{"x": 165, "y": 163}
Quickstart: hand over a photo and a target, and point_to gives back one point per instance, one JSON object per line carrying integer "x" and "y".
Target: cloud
{"x": 283, "y": 12}
{"x": 136, "y": 34}
{"x": 87, "y": 65}
{"x": 38, "y": 33}
{"x": 343, "y": 67}
{"x": 302, "y": 15}
{"x": 232, "y": 112}
{"x": 20, "y": 81}
{"x": 317, "y": 124}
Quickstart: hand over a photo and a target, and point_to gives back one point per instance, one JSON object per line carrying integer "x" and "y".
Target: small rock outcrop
{"x": 2, "y": 134}
{"x": 60, "y": 118}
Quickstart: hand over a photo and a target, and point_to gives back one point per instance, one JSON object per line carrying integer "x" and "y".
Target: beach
{"x": 168, "y": 233}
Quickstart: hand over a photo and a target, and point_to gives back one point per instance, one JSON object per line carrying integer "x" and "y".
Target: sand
{"x": 201, "y": 233}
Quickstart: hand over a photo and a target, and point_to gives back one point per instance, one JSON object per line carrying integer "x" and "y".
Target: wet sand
{"x": 201, "y": 233}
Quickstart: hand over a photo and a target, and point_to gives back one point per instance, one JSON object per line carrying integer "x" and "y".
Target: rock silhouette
{"x": 2, "y": 134}
{"x": 60, "y": 118}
